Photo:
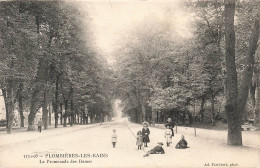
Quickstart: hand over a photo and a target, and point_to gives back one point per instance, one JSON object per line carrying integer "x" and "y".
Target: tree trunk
{"x": 50, "y": 111}
{"x": 10, "y": 102}
{"x": 61, "y": 116}
{"x": 33, "y": 110}
{"x": 71, "y": 106}
{"x": 6, "y": 105}
{"x": 257, "y": 100}
{"x": 20, "y": 104}
{"x": 83, "y": 116}
{"x": 91, "y": 119}
{"x": 252, "y": 91}
{"x": 66, "y": 102}
{"x": 194, "y": 108}
{"x": 177, "y": 117}
{"x": 45, "y": 110}
{"x": 157, "y": 117}
{"x": 202, "y": 109}
{"x": 56, "y": 101}
{"x": 143, "y": 113}
{"x": 212, "y": 97}
{"x": 36, "y": 91}
{"x": 249, "y": 66}
{"x": 233, "y": 116}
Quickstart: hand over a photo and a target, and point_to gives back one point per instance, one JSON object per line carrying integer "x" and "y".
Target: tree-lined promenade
{"x": 203, "y": 78}
{"x": 49, "y": 57}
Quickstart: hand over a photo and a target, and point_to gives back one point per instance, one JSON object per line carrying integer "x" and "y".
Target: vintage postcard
{"x": 130, "y": 84}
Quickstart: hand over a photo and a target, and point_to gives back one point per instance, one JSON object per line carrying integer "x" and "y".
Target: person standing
{"x": 168, "y": 135}
{"x": 145, "y": 134}
{"x": 40, "y": 125}
{"x": 114, "y": 138}
{"x": 170, "y": 123}
{"x": 139, "y": 141}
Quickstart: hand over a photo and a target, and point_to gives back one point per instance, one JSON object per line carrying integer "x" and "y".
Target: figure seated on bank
{"x": 156, "y": 150}
{"x": 182, "y": 144}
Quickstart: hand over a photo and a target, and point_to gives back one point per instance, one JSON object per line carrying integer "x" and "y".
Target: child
{"x": 168, "y": 135}
{"x": 145, "y": 133}
{"x": 114, "y": 138}
{"x": 139, "y": 141}
{"x": 182, "y": 144}
{"x": 156, "y": 150}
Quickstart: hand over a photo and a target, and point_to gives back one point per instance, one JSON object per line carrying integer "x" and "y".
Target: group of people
{"x": 143, "y": 138}
{"x": 169, "y": 133}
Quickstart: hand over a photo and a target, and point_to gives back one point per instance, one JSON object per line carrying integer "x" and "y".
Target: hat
{"x": 145, "y": 123}
{"x": 160, "y": 143}
{"x": 114, "y": 129}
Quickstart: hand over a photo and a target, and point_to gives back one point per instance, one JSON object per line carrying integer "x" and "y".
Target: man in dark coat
{"x": 170, "y": 123}
{"x": 156, "y": 150}
{"x": 182, "y": 144}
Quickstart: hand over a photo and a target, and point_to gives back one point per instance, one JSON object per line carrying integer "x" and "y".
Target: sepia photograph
{"x": 129, "y": 84}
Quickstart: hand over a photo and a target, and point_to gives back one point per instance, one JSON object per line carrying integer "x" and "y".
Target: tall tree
{"x": 234, "y": 116}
